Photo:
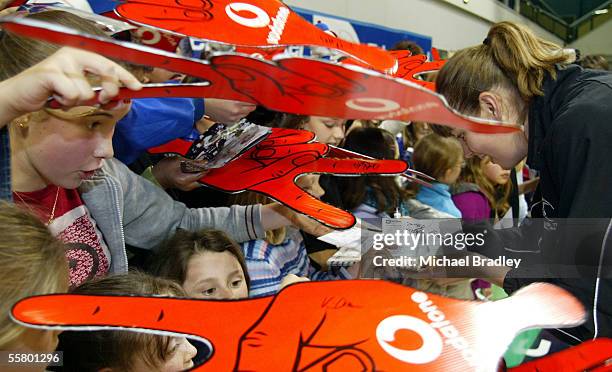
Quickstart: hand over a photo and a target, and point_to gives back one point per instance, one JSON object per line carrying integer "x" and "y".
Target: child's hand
{"x": 169, "y": 174}
{"x": 226, "y": 111}
{"x": 7, "y": 11}
{"x": 272, "y": 166}
{"x": 291, "y": 279}
{"x": 63, "y": 76}
{"x": 276, "y": 215}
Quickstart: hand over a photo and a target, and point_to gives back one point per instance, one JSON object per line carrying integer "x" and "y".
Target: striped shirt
{"x": 268, "y": 264}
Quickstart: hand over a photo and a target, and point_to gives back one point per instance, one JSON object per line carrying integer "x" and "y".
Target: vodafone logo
{"x": 372, "y": 104}
{"x": 148, "y": 36}
{"x": 434, "y": 335}
{"x": 428, "y": 352}
{"x": 261, "y": 18}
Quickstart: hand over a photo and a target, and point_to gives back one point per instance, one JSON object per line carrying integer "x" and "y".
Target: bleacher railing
{"x": 567, "y": 31}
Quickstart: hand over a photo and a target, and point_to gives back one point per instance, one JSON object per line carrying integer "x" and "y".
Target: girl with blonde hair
{"x": 32, "y": 262}
{"x": 483, "y": 190}
{"x": 441, "y": 158}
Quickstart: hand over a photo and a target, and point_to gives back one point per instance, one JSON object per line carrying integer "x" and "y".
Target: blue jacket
{"x": 154, "y": 121}
{"x": 439, "y": 197}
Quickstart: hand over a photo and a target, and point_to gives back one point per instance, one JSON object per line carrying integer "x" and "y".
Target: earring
{"x": 22, "y": 121}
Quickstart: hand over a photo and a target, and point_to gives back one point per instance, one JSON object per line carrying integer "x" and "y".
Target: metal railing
{"x": 565, "y": 31}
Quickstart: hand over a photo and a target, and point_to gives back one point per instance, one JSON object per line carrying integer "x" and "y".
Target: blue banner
{"x": 363, "y": 32}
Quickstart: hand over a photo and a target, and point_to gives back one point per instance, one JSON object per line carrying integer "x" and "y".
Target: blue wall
{"x": 382, "y": 36}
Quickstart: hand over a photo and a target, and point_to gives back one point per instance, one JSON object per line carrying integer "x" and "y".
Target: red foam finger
{"x": 250, "y": 169}
{"x": 177, "y": 146}
{"x": 325, "y": 325}
{"x": 357, "y": 166}
{"x": 219, "y": 322}
{"x": 246, "y": 23}
{"x": 283, "y": 136}
{"x": 295, "y": 85}
{"x": 297, "y": 199}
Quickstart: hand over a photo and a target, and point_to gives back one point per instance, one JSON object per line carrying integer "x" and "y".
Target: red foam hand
{"x": 178, "y": 146}
{"x": 409, "y": 67}
{"x": 593, "y": 355}
{"x": 341, "y": 325}
{"x": 273, "y": 165}
{"x": 295, "y": 85}
{"x": 247, "y": 23}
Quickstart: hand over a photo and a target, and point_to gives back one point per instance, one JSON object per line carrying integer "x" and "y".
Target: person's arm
{"x": 227, "y": 111}
{"x": 528, "y": 186}
{"x": 152, "y": 122}
{"x": 151, "y": 216}
{"x": 62, "y": 75}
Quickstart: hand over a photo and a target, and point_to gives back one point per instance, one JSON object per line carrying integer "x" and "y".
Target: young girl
{"x": 378, "y": 196}
{"x": 483, "y": 190}
{"x": 330, "y": 131}
{"x": 63, "y": 170}
{"x": 207, "y": 264}
{"x": 95, "y": 351}
{"x": 373, "y": 196}
{"x": 441, "y": 158}
{"x": 31, "y": 263}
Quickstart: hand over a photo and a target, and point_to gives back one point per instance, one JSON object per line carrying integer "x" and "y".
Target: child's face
{"x": 215, "y": 276}
{"x": 328, "y": 130}
{"x": 178, "y": 357}
{"x": 420, "y": 130}
{"x": 66, "y": 148}
{"x": 495, "y": 173}
{"x": 160, "y": 75}
{"x": 452, "y": 174}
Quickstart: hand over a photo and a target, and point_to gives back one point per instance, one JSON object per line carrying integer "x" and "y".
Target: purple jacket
{"x": 471, "y": 202}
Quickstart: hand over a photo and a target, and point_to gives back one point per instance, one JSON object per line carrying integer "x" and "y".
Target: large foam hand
{"x": 247, "y": 22}
{"x": 294, "y": 85}
{"x": 313, "y": 326}
{"x": 273, "y": 165}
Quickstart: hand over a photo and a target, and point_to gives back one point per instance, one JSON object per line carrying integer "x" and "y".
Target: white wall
{"x": 451, "y": 23}
{"x": 597, "y": 41}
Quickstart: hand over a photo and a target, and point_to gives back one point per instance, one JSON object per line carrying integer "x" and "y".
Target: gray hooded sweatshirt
{"x": 128, "y": 209}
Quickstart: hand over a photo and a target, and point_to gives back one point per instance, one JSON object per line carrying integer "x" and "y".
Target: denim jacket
{"x": 129, "y": 209}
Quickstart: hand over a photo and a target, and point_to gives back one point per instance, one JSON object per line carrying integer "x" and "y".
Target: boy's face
{"x": 178, "y": 357}
{"x": 215, "y": 276}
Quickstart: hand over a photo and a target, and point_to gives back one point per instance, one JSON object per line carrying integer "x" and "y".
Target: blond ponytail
{"x": 510, "y": 58}
{"x": 523, "y": 57}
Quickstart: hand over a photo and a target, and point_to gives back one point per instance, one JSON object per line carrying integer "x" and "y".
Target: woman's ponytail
{"x": 523, "y": 57}
{"x": 510, "y": 58}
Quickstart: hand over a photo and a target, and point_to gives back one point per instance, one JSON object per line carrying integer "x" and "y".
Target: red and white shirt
{"x": 87, "y": 253}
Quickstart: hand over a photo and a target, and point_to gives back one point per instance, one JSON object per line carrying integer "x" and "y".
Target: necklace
{"x": 52, "y": 215}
